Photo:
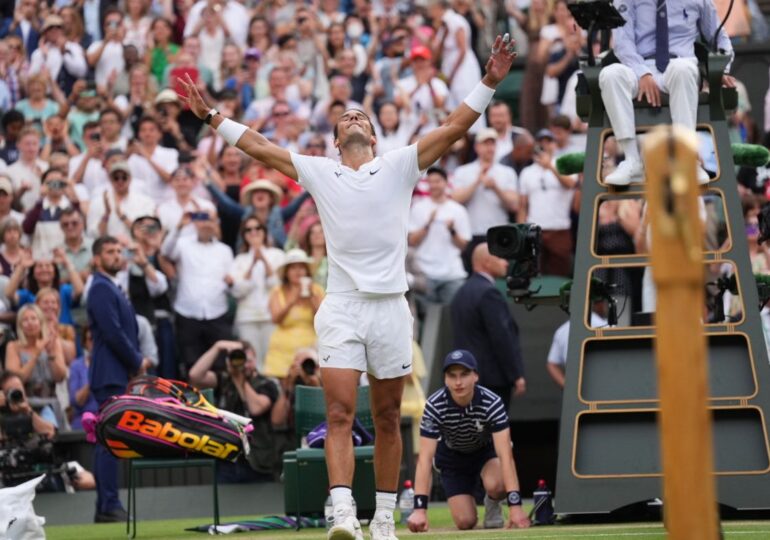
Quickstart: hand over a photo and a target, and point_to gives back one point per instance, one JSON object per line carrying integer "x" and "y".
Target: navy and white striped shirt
{"x": 464, "y": 429}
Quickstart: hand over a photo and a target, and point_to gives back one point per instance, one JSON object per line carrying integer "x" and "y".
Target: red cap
{"x": 421, "y": 51}
{"x": 408, "y": 484}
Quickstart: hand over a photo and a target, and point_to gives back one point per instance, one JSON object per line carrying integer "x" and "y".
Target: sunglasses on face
{"x": 316, "y": 145}
{"x": 281, "y": 113}
{"x": 120, "y": 177}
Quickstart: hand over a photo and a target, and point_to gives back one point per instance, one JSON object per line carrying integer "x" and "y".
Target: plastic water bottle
{"x": 328, "y": 512}
{"x": 543, "y": 504}
{"x": 406, "y": 501}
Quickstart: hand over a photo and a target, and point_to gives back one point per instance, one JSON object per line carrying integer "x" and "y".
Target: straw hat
{"x": 295, "y": 256}
{"x": 52, "y": 21}
{"x": 261, "y": 184}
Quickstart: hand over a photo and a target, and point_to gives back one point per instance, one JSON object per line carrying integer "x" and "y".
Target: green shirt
{"x": 159, "y": 59}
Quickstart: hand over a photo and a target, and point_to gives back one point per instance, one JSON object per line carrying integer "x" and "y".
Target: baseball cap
{"x": 252, "y": 53}
{"x": 166, "y": 96}
{"x": 460, "y": 357}
{"x": 486, "y": 134}
{"x": 421, "y": 51}
{"x": 145, "y": 217}
{"x": 5, "y": 185}
{"x": 545, "y": 134}
{"x": 121, "y": 166}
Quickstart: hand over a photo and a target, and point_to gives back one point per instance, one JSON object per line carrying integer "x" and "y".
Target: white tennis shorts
{"x": 372, "y": 334}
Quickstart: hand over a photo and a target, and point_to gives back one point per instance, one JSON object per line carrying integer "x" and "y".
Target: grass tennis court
{"x": 440, "y": 529}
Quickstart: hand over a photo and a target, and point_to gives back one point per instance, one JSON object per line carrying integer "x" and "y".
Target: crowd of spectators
{"x": 95, "y": 141}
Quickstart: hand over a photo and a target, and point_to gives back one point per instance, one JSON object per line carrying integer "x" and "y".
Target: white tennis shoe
{"x": 493, "y": 513}
{"x": 344, "y": 525}
{"x": 382, "y": 527}
{"x": 629, "y": 171}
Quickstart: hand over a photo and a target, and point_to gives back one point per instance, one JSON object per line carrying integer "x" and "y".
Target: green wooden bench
{"x": 306, "y": 480}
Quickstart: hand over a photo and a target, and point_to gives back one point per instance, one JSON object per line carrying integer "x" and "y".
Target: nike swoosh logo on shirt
{"x": 337, "y": 174}
{"x": 374, "y": 172}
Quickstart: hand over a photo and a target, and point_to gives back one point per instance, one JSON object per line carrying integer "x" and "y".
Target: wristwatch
{"x": 210, "y": 116}
{"x": 514, "y": 498}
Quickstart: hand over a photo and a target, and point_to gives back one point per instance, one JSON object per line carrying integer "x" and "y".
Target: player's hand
{"x": 517, "y": 519}
{"x": 649, "y": 91}
{"x": 418, "y": 521}
{"x": 193, "y": 97}
{"x": 499, "y": 63}
{"x": 728, "y": 81}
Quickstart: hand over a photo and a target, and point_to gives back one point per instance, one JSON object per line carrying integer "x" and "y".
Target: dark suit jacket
{"x": 116, "y": 355}
{"x": 483, "y": 325}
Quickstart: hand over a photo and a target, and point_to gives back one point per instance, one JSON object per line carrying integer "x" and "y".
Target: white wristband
{"x": 231, "y": 131}
{"x": 479, "y": 97}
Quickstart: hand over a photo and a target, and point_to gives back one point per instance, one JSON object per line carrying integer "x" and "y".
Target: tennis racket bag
{"x": 131, "y": 426}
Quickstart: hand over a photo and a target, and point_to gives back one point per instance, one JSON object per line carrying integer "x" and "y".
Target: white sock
{"x": 385, "y": 502}
{"x": 630, "y": 149}
{"x": 341, "y": 495}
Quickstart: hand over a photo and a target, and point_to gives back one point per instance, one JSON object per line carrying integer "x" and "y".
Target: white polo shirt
{"x": 365, "y": 216}
{"x": 437, "y": 256}
{"x": 484, "y": 207}
{"x": 154, "y": 186}
{"x": 549, "y": 201}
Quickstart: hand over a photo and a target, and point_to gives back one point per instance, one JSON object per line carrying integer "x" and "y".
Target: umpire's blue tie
{"x": 661, "y": 36}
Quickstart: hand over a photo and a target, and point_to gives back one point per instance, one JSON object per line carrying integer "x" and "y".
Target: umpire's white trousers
{"x": 620, "y": 87}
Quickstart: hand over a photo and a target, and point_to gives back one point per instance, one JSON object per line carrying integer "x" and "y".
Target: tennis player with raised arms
{"x": 364, "y": 323}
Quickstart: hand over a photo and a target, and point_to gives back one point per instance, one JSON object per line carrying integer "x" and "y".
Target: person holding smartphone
{"x": 105, "y": 57}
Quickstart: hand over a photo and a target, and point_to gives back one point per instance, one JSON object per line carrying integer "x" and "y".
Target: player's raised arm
{"x": 251, "y": 142}
{"x": 433, "y": 145}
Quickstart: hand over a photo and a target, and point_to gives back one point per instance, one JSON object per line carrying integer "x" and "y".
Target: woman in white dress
{"x": 253, "y": 276}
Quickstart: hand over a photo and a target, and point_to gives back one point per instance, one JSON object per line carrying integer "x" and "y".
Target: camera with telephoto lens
{"x": 15, "y": 396}
{"x": 237, "y": 358}
{"x": 519, "y": 244}
{"x": 309, "y": 366}
{"x": 25, "y": 455}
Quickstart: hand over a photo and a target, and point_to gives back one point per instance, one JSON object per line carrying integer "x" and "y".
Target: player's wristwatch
{"x": 514, "y": 498}
{"x": 210, "y": 116}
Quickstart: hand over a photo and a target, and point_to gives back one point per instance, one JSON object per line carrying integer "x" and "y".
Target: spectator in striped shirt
{"x": 464, "y": 432}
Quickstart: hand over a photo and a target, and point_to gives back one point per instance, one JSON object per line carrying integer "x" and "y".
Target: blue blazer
{"x": 482, "y": 323}
{"x": 32, "y": 38}
{"x": 116, "y": 355}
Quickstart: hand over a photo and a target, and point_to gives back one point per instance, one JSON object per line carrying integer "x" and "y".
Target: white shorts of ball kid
{"x": 371, "y": 333}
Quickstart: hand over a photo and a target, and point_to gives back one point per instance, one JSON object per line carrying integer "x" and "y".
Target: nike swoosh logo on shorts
{"x": 406, "y": 366}
{"x": 326, "y": 358}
